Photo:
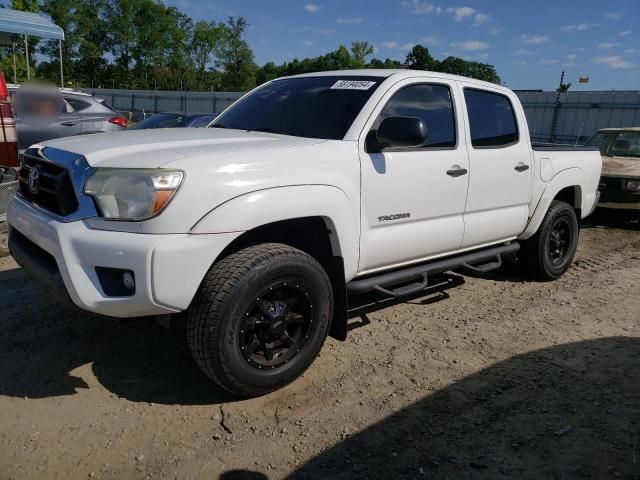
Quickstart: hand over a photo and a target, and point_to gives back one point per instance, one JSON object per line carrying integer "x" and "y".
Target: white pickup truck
{"x": 308, "y": 188}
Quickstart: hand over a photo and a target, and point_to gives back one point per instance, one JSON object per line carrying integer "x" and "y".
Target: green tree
{"x": 458, "y": 66}
{"x": 360, "y": 51}
{"x": 564, "y": 87}
{"x": 236, "y": 58}
{"x": 6, "y": 53}
{"x": 268, "y": 72}
{"x": 64, "y": 13}
{"x": 121, "y": 35}
{"x": 91, "y": 35}
{"x": 206, "y": 42}
{"x": 149, "y": 45}
{"x": 419, "y": 58}
{"x": 25, "y": 5}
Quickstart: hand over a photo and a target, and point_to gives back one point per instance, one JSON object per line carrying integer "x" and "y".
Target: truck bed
{"x": 559, "y": 147}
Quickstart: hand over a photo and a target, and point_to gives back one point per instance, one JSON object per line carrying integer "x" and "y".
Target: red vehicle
{"x": 8, "y": 161}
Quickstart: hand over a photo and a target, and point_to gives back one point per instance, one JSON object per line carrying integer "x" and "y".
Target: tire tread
{"x": 216, "y": 291}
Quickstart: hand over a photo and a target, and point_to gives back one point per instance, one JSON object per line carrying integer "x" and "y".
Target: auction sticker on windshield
{"x": 352, "y": 85}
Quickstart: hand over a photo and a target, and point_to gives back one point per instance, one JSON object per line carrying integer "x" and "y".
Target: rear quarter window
{"x": 492, "y": 120}
{"x": 77, "y": 104}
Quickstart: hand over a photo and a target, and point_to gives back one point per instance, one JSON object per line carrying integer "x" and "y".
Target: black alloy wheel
{"x": 276, "y": 326}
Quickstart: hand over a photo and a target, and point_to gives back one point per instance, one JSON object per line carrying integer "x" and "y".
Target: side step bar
{"x": 478, "y": 262}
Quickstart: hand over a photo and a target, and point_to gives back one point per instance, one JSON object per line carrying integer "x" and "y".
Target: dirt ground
{"x": 492, "y": 377}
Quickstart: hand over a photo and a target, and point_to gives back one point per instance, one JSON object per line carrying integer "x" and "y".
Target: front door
{"x": 413, "y": 199}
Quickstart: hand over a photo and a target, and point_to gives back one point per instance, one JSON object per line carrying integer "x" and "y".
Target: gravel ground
{"x": 482, "y": 377}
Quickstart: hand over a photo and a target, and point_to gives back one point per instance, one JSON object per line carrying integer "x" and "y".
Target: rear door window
{"x": 492, "y": 120}
{"x": 77, "y": 104}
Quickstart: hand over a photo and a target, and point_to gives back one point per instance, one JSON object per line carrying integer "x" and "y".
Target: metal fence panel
{"x": 579, "y": 115}
{"x": 153, "y": 101}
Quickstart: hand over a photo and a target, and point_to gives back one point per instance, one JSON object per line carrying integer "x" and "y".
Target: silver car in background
{"x": 47, "y": 113}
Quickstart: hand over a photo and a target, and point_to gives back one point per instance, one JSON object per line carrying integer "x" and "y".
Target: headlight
{"x": 633, "y": 186}
{"x": 132, "y": 194}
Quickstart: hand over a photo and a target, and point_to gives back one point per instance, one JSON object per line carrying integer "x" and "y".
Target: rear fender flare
{"x": 570, "y": 177}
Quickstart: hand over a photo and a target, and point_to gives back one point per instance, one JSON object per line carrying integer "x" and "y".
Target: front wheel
{"x": 260, "y": 318}
{"x": 549, "y": 253}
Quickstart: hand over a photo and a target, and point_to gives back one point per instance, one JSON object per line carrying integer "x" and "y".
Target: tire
{"x": 549, "y": 253}
{"x": 260, "y": 318}
{"x": 4, "y": 239}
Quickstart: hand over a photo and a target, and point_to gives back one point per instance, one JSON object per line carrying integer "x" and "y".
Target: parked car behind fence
{"x": 175, "y": 120}
{"x": 49, "y": 113}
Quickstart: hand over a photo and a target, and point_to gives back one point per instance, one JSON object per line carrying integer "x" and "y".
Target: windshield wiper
{"x": 218, "y": 125}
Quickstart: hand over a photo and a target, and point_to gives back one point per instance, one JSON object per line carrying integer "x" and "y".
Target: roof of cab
{"x": 13, "y": 87}
{"x": 620, "y": 129}
{"x": 400, "y": 74}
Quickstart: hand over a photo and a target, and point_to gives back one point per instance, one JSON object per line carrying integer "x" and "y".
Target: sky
{"x": 529, "y": 42}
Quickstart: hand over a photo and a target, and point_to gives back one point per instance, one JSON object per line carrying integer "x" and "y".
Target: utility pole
{"x": 556, "y": 110}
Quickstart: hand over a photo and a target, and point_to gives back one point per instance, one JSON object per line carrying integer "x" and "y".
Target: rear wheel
{"x": 260, "y": 318}
{"x": 549, "y": 253}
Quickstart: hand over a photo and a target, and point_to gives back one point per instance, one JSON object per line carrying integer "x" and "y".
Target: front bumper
{"x": 614, "y": 195}
{"x": 168, "y": 268}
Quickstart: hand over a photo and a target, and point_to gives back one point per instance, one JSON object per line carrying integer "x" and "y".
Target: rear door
{"x": 412, "y": 201}
{"x": 69, "y": 122}
{"x": 500, "y": 173}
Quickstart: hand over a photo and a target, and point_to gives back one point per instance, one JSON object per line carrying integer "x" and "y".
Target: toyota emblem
{"x": 34, "y": 180}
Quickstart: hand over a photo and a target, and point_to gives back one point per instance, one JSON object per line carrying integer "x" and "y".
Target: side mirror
{"x": 397, "y": 132}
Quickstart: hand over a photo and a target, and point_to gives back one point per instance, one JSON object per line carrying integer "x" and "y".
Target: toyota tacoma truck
{"x": 309, "y": 188}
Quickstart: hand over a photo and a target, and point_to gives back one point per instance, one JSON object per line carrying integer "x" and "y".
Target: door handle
{"x": 456, "y": 171}
{"x": 69, "y": 124}
{"x": 521, "y": 167}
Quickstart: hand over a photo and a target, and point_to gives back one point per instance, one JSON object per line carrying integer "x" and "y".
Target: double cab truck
{"x": 255, "y": 231}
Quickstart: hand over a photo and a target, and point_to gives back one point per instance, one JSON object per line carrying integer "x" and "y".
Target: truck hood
{"x": 156, "y": 147}
{"x": 621, "y": 167}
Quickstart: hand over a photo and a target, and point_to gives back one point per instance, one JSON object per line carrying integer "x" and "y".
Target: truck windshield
{"x": 600, "y": 140}
{"x": 313, "y": 107}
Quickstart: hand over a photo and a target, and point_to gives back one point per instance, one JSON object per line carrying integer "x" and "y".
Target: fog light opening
{"x": 128, "y": 281}
{"x": 116, "y": 282}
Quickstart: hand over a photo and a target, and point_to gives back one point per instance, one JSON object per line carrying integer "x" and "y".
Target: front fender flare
{"x": 261, "y": 207}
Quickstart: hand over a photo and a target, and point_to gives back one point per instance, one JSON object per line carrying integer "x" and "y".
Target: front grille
{"x": 611, "y": 184}
{"x": 53, "y": 190}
